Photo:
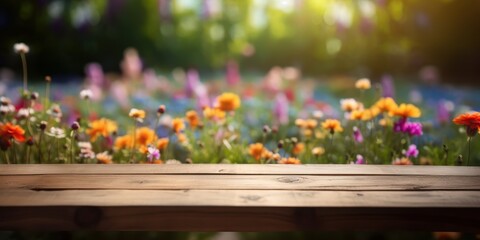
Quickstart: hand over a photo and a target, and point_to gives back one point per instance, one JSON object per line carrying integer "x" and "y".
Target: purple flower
{"x": 412, "y": 151}
{"x": 360, "y": 159}
{"x": 357, "y": 135}
{"x": 280, "y": 109}
{"x": 153, "y": 154}
{"x": 400, "y": 125}
{"x": 411, "y": 128}
{"x": 192, "y": 82}
{"x": 388, "y": 90}
{"x": 443, "y": 111}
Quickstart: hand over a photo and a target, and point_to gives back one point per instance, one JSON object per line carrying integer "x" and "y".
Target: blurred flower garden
{"x": 204, "y": 85}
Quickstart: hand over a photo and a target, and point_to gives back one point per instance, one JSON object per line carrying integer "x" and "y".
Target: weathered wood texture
{"x": 239, "y": 197}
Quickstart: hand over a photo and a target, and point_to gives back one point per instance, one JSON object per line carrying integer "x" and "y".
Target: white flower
{"x": 86, "y": 94}
{"x": 153, "y": 154}
{"x": 56, "y": 132}
{"x": 55, "y": 111}
{"x": 24, "y": 112}
{"x": 4, "y": 109}
{"x": 21, "y": 48}
{"x": 85, "y": 145}
{"x": 349, "y": 104}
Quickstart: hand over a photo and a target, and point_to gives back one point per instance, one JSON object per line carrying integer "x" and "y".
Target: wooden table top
{"x": 208, "y": 197}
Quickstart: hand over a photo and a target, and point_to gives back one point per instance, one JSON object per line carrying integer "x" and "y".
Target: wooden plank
{"x": 243, "y": 169}
{"x": 238, "y": 218}
{"x": 240, "y": 198}
{"x": 223, "y": 182}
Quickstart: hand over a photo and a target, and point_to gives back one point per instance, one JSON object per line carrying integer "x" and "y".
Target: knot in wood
{"x": 291, "y": 179}
{"x": 87, "y": 217}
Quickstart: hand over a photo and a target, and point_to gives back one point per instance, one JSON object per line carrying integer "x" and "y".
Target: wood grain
{"x": 233, "y": 169}
{"x": 239, "y": 197}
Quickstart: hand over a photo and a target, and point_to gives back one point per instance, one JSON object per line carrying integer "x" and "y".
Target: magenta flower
{"x": 280, "y": 109}
{"x": 411, "y": 128}
{"x": 192, "y": 82}
{"x": 360, "y": 159}
{"x": 153, "y": 154}
{"x": 357, "y": 135}
{"x": 233, "y": 76}
{"x": 412, "y": 151}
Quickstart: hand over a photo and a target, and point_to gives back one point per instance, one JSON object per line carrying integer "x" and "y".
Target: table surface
{"x": 208, "y": 197}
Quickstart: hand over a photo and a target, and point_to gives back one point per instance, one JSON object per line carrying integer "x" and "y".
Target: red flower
{"x": 10, "y": 131}
{"x": 470, "y": 120}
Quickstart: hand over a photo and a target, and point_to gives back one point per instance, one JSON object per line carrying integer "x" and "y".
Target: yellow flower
{"x": 356, "y": 115}
{"x": 407, "y": 110}
{"x": 363, "y": 84}
{"x": 332, "y": 125}
{"x": 307, "y": 123}
{"x": 228, "y": 102}
{"x": 137, "y": 114}
{"x": 192, "y": 118}
{"x": 256, "y": 150}
{"x": 145, "y": 136}
{"x": 317, "y": 151}
{"x": 386, "y": 105}
{"x": 102, "y": 127}
{"x": 370, "y": 113}
{"x": 124, "y": 142}
{"x": 289, "y": 160}
{"x": 178, "y": 125}
{"x": 162, "y": 143}
{"x": 213, "y": 113}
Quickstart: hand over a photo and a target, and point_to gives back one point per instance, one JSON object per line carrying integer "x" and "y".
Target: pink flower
{"x": 412, "y": 151}
{"x": 153, "y": 154}
{"x": 360, "y": 159}
{"x": 193, "y": 80}
{"x": 280, "y": 109}
{"x": 357, "y": 135}
{"x": 233, "y": 76}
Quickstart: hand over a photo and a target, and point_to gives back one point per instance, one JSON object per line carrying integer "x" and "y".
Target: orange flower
{"x": 145, "y": 136}
{"x": 307, "y": 123}
{"x": 178, "y": 125}
{"x": 192, "y": 118}
{"x": 298, "y": 148}
{"x": 9, "y": 131}
{"x": 228, "y": 102}
{"x": 124, "y": 142}
{"x": 363, "y": 84}
{"x": 332, "y": 125}
{"x": 162, "y": 143}
{"x": 370, "y": 113}
{"x": 470, "y": 120}
{"x": 104, "y": 158}
{"x": 213, "y": 113}
{"x": 102, "y": 127}
{"x": 181, "y": 138}
{"x": 256, "y": 150}
{"x": 402, "y": 161}
{"x": 289, "y": 160}
{"x": 386, "y": 104}
{"x": 407, "y": 110}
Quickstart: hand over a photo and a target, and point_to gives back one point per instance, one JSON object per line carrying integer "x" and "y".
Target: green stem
{"x": 469, "y": 147}
{"x": 24, "y": 65}
{"x": 47, "y": 99}
{"x": 132, "y": 153}
{"x": 28, "y": 155}
{"x": 39, "y": 146}
{"x": 72, "y": 151}
{"x": 6, "y": 157}
{"x": 14, "y": 152}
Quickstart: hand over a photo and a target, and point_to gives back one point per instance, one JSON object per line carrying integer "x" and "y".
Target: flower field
{"x": 280, "y": 117}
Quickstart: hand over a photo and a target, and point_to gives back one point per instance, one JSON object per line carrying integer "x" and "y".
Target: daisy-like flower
{"x": 104, "y": 158}
{"x": 102, "y": 127}
{"x": 21, "y": 48}
{"x": 145, "y": 136}
{"x": 407, "y": 111}
{"x": 86, "y": 94}
{"x": 56, "y": 132}
{"x": 298, "y": 148}
{"x": 289, "y": 160}
{"x": 332, "y": 125}
{"x": 228, "y": 102}
{"x": 349, "y": 104}
{"x": 55, "y": 111}
{"x": 178, "y": 125}
{"x": 317, "y": 151}
{"x": 153, "y": 154}
{"x": 470, "y": 120}
{"x": 386, "y": 105}
{"x": 86, "y": 151}
{"x": 137, "y": 114}
{"x": 213, "y": 114}
{"x": 192, "y": 118}
{"x": 124, "y": 142}
{"x": 256, "y": 150}
{"x": 24, "y": 112}
{"x": 363, "y": 84}
{"x": 162, "y": 143}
